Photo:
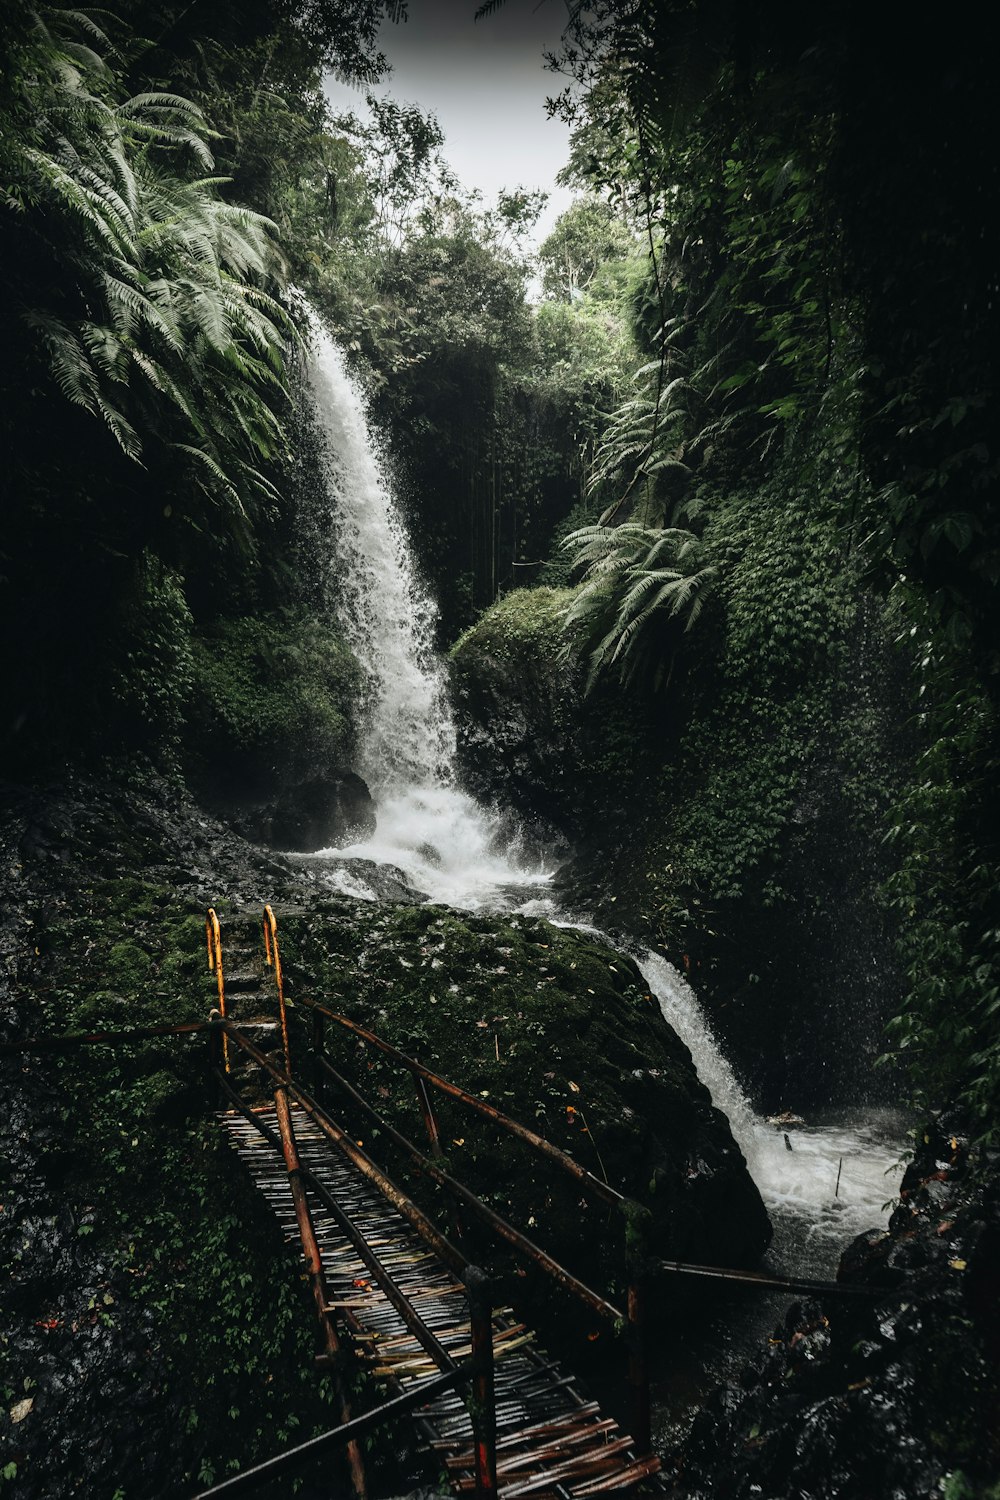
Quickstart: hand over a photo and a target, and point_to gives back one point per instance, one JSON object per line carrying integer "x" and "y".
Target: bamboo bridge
{"x": 392, "y": 1291}
{"x": 498, "y": 1415}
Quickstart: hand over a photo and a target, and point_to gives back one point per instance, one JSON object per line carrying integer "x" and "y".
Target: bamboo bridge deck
{"x": 495, "y": 1413}
{"x": 550, "y": 1441}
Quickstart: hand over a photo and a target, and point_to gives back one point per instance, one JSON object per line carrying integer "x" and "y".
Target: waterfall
{"x": 835, "y": 1179}
{"x": 832, "y": 1182}
{"x": 386, "y": 614}
{"x": 446, "y": 844}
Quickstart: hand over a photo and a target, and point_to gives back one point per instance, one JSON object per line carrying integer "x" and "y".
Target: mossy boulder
{"x": 517, "y": 705}
{"x": 560, "y": 1031}
{"x": 271, "y": 732}
{"x": 565, "y": 762}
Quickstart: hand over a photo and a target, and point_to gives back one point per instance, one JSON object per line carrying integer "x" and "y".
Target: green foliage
{"x": 637, "y": 581}
{"x": 147, "y": 668}
{"x": 949, "y": 1032}
{"x": 528, "y": 621}
{"x": 264, "y": 681}
{"x": 587, "y": 240}
{"x": 767, "y": 704}
{"x": 403, "y": 167}
{"x": 159, "y": 322}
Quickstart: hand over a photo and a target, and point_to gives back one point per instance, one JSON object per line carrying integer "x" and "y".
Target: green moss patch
{"x": 557, "y": 1030}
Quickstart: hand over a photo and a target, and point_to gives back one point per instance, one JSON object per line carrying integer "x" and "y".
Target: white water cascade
{"x": 833, "y": 1181}
{"x": 442, "y": 840}
{"x": 822, "y": 1183}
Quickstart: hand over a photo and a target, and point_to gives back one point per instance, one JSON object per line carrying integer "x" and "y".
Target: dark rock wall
{"x": 893, "y": 1395}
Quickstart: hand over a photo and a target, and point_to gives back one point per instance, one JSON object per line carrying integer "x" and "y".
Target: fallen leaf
{"x": 958, "y": 1265}
{"x": 21, "y": 1410}
{"x": 574, "y": 1086}
{"x": 459, "y": 1142}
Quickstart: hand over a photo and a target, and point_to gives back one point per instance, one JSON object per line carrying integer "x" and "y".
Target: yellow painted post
{"x": 274, "y": 961}
{"x": 213, "y": 939}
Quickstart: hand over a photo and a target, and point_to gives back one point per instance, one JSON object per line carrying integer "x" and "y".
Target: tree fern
{"x": 163, "y": 327}
{"x": 640, "y": 584}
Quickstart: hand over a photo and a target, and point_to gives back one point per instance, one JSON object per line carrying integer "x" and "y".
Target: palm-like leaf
{"x": 163, "y": 326}
{"x": 635, "y": 578}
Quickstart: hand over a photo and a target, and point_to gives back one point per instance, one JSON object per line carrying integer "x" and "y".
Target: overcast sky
{"x": 486, "y": 82}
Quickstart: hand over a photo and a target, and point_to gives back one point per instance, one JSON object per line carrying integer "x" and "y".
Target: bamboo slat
{"x": 551, "y": 1443}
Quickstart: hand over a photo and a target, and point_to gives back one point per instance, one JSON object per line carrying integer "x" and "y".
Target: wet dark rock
{"x": 893, "y": 1396}
{"x": 369, "y": 880}
{"x": 317, "y": 813}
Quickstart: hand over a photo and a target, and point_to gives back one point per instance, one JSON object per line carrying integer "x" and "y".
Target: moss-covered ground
{"x": 558, "y": 1030}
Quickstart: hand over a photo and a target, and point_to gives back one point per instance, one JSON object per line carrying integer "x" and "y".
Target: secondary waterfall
{"x": 427, "y": 826}
{"x": 832, "y": 1182}
{"x": 827, "y": 1181}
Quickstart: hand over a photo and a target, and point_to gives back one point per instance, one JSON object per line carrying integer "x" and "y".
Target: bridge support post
{"x": 637, "y": 1261}
{"x": 430, "y": 1118}
{"x": 482, "y": 1406}
{"x": 434, "y": 1137}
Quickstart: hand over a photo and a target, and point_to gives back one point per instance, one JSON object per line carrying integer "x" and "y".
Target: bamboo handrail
{"x": 102, "y": 1038}
{"x": 213, "y": 941}
{"x": 273, "y": 957}
{"x": 538, "y": 1143}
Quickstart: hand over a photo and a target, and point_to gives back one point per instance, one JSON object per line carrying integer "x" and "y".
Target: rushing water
{"x": 822, "y": 1182}
{"x": 446, "y": 843}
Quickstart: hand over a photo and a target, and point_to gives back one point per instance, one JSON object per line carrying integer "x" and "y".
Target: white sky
{"x": 486, "y": 82}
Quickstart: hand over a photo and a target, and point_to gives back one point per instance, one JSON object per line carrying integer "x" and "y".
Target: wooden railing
{"x": 636, "y": 1218}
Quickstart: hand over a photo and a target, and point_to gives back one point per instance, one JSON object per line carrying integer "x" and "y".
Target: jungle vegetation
{"x": 748, "y": 417}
